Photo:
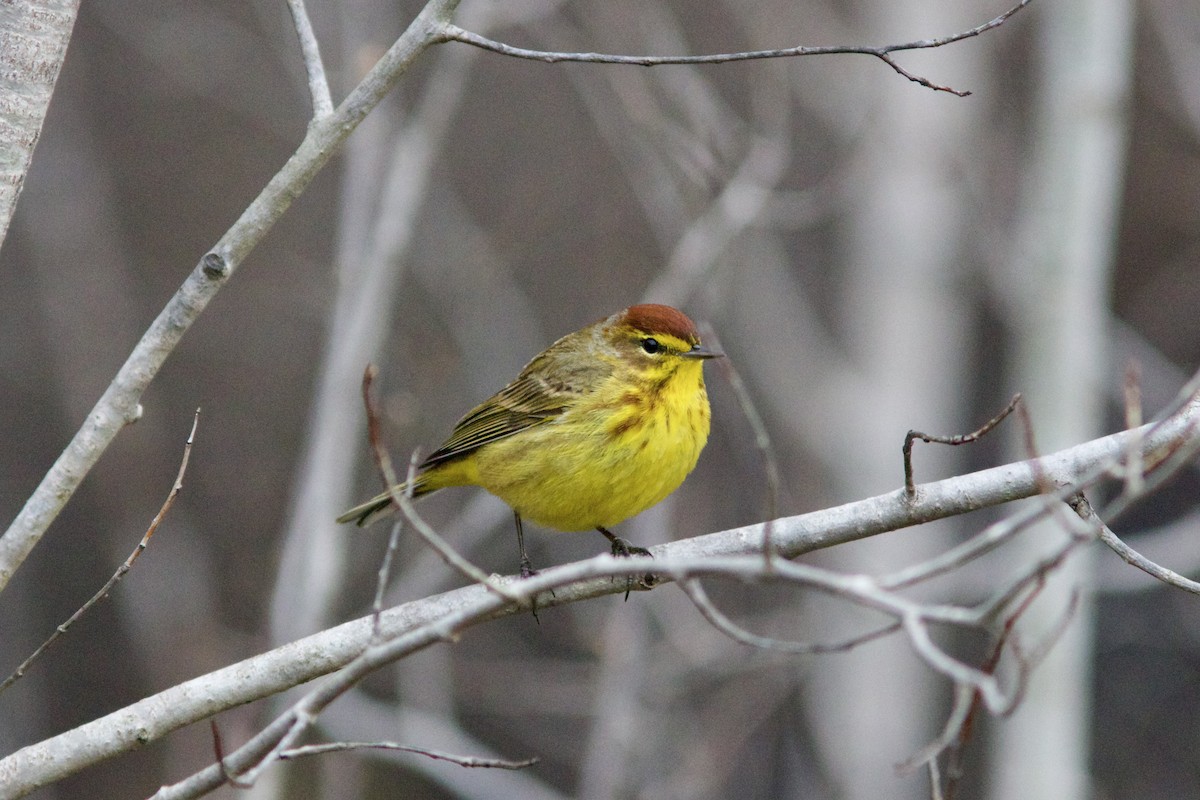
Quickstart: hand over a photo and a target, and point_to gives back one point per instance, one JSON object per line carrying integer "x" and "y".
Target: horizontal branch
{"x": 884, "y": 52}
{"x": 134, "y": 726}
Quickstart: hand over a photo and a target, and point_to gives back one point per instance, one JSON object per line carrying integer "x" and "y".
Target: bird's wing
{"x": 528, "y": 401}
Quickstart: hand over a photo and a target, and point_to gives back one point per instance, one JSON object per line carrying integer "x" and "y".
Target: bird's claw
{"x": 621, "y": 548}
{"x": 527, "y": 570}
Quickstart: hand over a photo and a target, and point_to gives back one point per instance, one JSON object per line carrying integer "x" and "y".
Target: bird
{"x": 600, "y": 426}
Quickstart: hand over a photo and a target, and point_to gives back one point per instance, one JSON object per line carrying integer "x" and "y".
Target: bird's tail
{"x": 381, "y": 505}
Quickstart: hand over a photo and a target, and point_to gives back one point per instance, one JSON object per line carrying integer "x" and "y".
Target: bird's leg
{"x": 623, "y": 549}
{"x": 527, "y": 569}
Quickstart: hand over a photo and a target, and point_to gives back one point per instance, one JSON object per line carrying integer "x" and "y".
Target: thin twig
{"x": 960, "y": 724}
{"x": 219, "y": 755}
{"x": 385, "y": 566}
{"x": 699, "y": 597}
{"x": 403, "y": 499}
{"x": 964, "y": 700}
{"x": 462, "y": 761}
{"x": 762, "y": 440}
{"x": 452, "y": 32}
{"x": 120, "y": 403}
{"x": 19, "y": 672}
{"x": 1131, "y": 556}
{"x": 381, "y": 580}
{"x": 973, "y": 436}
{"x": 318, "y": 85}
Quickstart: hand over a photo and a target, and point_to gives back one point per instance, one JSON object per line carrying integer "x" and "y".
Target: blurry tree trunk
{"x": 908, "y": 326}
{"x": 33, "y": 43}
{"x": 389, "y": 175}
{"x": 1058, "y": 291}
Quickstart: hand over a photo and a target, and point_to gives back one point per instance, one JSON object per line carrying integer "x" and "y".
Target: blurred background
{"x": 872, "y": 255}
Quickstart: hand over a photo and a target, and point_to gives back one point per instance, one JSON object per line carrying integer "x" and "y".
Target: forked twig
{"x": 973, "y": 436}
{"x": 20, "y": 671}
{"x": 452, "y": 32}
{"x": 968, "y": 702}
{"x": 318, "y": 84}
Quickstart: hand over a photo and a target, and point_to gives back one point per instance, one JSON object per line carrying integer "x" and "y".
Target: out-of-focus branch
{"x": 438, "y": 755}
{"x": 1131, "y": 556}
{"x": 419, "y": 623}
{"x": 19, "y": 672}
{"x": 318, "y": 84}
{"x": 917, "y": 618}
{"x": 35, "y": 37}
{"x": 882, "y": 52}
{"x": 119, "y": 405}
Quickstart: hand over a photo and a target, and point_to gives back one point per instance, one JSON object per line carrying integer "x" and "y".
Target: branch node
{"x": 214, "y": 266}
{"x": 909, "y": 486}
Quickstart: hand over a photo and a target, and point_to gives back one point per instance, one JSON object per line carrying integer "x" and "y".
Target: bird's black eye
{"x": 651, "y": 345}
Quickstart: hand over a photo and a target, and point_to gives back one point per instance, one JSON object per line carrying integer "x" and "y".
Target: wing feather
{"x": 528, "y": 401}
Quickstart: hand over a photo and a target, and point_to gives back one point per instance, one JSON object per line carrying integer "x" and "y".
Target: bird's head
{"x": 656, "y": 340}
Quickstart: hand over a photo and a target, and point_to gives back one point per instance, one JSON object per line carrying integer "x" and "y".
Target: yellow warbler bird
{"x": 600, "y": 426}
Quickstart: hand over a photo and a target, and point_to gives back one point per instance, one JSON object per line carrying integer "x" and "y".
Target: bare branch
{"x": 451, "y": 32}
{"x": 1128, "y": 554}
{"x": 462, "y": 761}
{"x": 119, "y": 405}
{"x": 35, "y": 43}
{"x": 968, "y": 438}
{"x": 695, "y": 592}
{"x": 318, "y": 85}
{"x": 418, "y": 624}
{"x": 403, "y": 499}
{"x": 19, "y": 672}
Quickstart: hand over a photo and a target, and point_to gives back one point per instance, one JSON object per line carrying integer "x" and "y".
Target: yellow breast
{"x": 605, "y": 460}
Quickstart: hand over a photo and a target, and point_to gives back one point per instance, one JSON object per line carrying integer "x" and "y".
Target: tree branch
{"x": 35, "y": 37}
{"x": 119, "y": 405}
{"x": 19, "y": 672}
{"x": 422, "y": 622}
{"x": 452, "y": 32}
{"x": 318, "y": 84}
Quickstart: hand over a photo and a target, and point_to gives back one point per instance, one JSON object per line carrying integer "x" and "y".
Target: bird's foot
{"x": 621, "y": 548}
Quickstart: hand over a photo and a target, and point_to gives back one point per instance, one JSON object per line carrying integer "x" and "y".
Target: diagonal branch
{"x": 19, "y": 672}
{"x": 120, "y": 403}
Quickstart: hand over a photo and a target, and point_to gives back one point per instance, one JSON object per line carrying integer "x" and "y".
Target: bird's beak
{"x": 700, "y": 351}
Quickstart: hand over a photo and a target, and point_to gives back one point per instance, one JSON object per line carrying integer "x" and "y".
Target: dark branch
{"x": 20, "y": 671}
{"x": 973, "y": 436}
{"x": 453, "y": 33}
